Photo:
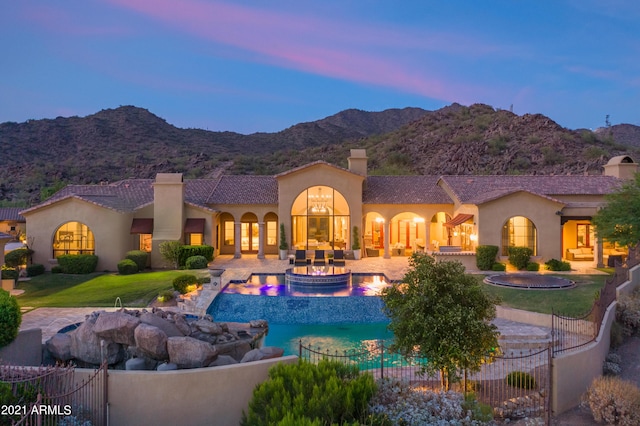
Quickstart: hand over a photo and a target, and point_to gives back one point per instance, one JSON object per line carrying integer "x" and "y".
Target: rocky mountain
{"x": 133, "y": 142}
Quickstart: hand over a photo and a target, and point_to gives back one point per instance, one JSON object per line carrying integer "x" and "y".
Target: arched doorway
{"x": 249, "y": 233}
{"x": 439, "y": 234}
{"x": 407, "y": 233}
{"x": 73, "y": 238}
{"x": 320, "y": 219}
{"x": 519, "y": 231}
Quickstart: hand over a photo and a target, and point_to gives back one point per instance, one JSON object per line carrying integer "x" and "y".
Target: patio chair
{"x": 301, "y": 258}
{"x": 338, "y": 258}
{"x": 319, "y": 258}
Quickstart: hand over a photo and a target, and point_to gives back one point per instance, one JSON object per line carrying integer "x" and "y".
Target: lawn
{"x": 572, "y": 302}
{"x": 97, "y": 289}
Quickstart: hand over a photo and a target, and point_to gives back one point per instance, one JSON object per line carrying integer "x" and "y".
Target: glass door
{"x": 249, "y": 234}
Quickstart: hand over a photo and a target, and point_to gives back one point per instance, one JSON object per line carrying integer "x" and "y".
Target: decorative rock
{"x": 167, "y": 366}
{"x": 236, "y": 349}
{"x": 223, "y": 360}
{"x": 188, "y": 352}
{"x": 169, "y": 329}
{"x": 136, "y": 364}
{"x": 116, "y": 326}
{"x": 269, "y": 352}
{"x": 151, "y": 341}
{"x": 59, "y": 346}
{"x": 208, "y": 327}
{"x": 258, "y": 324}
{"x": 182, "y": 325}
{"x": 252, "y": 355}
{"x": 86, "y": 345}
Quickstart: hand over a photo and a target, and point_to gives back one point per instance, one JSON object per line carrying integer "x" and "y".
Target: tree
{"x": 440, "y": 313}
{"x": 170, "y": 251}
{"x": 619, "y": 220}
{"x": 10, "y": 318}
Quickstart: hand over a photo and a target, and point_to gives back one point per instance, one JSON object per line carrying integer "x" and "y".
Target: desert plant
{"x": 170, "y": 251}
{"x": 330, "y": 392}
{"x": 10, "y": 318}
{"x": 520, "y": 379}
{"x": 127, "y": 267}
{"x": 78, "y": 263}
{"x": 486, "y": 257}
{"x": 182, "y": 283}
{"x": 628, "y": 312}
{"x": 283, "y": 238}
{"x": 138, "y": 256}
{"x": 557, "y": 265}
{"x": 611, "y": 365}
{"x": 165, "y": 296}
{"x": 498, "y": 267}
{"x": 617, "y": 335}
{"x": 355, "y": 244}
{"x": 533, "y": 266}
{"x": 196, "y": 262}
{"x": 35, "y": 269}
{"x": 519, "y": 256}
{"x": 613, "y": 401}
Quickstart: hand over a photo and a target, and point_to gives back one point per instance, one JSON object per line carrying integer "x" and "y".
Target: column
{"x": 261, "y": 238}
{"x": 238, "y": 239}
{"x": 598, "y": 254}
{"x": 387, "y": 231}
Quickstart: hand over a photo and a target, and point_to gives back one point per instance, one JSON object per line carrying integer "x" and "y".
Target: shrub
{"x": 283, "y": 238}
{"x": 10, "y": 318}
{"x": 519, "y": 256}
{"x": 479, "y": 411}
{"x": 127, "y": 267}
{"x": 9, "y": 273}
{"x": 170, "y": 251}
{"x": 613, "y": 401}
{"x": 139, "y": 257}
{"x": 165, "y": 296}
{"x": 186, "y": 252}
{"x": 355, "y": 244}
{"x": 628, "y": 313}
{"x": 533, "y": 266}
{"x": 499, "y": 267}
{"x": 557, "y": 265}
{"x": 78, "y": 263}
{"x": 196, "y": 262}
{"x": 330, "y": 392}
{"x": 35, "y": 269}
{"x": 486, "y": 257}
{"x": 611, "y": 368}
{"x": 181, "y": 283}
{"x": 57, "y": 269}
{"x": 617, "y": 335}
{"x": 520, "y": 379}
{"x": 17, "y": 257}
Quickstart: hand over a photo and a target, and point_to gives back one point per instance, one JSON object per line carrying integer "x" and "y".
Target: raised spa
{"x": 318, "y": 276}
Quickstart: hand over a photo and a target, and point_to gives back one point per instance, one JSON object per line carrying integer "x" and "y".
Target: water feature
{"x": 314, "y": 278}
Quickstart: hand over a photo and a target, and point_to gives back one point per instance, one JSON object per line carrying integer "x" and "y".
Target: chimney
{"x": 358, "y": 161}
{"x": 622, "y": 167}
{"x": 168, "y": 207}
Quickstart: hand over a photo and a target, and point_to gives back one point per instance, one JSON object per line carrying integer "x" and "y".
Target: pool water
{"x": 274, "y": 285}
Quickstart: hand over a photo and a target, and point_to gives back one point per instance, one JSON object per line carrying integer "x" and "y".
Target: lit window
{"x": 519, "y": 231}
{"x": 229, "y": 233}
{"x": 145, "y": 242}
{"x": 195, "y": 239}
{"x": 272, "y": 233}
{"x": 73, "y": 238}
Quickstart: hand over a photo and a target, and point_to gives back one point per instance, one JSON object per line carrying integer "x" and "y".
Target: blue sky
{"x": 262, "y": 66}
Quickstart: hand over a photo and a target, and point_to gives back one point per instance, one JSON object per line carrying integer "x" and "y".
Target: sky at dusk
{"x": 262, "y": 66}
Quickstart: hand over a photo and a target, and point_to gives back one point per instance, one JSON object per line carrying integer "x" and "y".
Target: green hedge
{"x": 139, "y": 257}
{"x": 127, "y": 267}
{"x": 77, "y": 263}
{"x": 196, "y": 262}
{"x": 10, "y": 318}
{"x": 519, "y": 256}
{"x": 557, "y": 265}
{"x": 486, "y": 257}
{"x": 182, "y": 282}
{"x": 520, "y": 379}
{"x": 498, "y": 267}
{"x": 35, "y": 269}
{"x": 533, "y": 266}
{"x": 17, "y": 257}
{"x": 189, "y": 251}
{"x": 9, "y": 273}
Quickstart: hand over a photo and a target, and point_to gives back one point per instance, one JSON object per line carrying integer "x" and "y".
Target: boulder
{"x": 151, "y": 341}
{"x": 167, "y": 366}
{"x": 208, "y": 327}
{"x": 139, "y": 364}
{"x": 258, "y": 324}
{"x": 182, "y": 324}
{"x": 117, "y": 327}
{"x": 59, "y": 346}
{"x": 267, "y": 352}
{"x": 223, "y": 360}
{"x": 169, "y": 328}
{"x": 235, "y": 349}
{"x": 88, "y": 347}
{"x": 187, "y": 352}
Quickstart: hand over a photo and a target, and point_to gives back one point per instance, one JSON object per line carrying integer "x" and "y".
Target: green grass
{"x": 573, "y": 302}
{"x": 97, "y": 289}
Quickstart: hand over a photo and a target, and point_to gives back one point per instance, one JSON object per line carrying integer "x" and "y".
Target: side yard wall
{"x": 203, "y": 396}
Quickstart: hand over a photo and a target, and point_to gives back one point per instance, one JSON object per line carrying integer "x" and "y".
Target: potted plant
{"x": 284, "y": 247}
{"x": 355, "y": 244}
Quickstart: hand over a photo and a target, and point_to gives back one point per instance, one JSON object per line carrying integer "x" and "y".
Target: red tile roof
{"x": 404, "y": 190}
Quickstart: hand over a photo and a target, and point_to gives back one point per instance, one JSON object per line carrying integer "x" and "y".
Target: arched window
{"x": 519, "y": 231}
{"x": 320, "y": 219}
{"x": 73, "y": 238}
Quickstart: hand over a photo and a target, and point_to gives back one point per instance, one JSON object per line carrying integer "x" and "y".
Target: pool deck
{"x": 50, "y": 320}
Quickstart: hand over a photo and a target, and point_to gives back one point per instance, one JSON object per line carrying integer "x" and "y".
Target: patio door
{"x": 249, "y": 234}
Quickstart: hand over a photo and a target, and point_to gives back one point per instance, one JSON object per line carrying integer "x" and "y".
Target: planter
{"x": 8, "y": 284}
{"x": 284, "y": 254}
{"x": 357, "y": 254}
{"x": 216, "y": 278}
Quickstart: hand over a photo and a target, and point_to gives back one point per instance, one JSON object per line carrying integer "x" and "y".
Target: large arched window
{"x": 73, "y": 238}
{"x": 320, "y": 219}
{"x": 519, "y": 231}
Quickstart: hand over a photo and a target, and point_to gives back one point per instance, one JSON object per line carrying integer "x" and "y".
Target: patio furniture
{"x": 584, "y": 253}
{"x": 372, "y": 252}
{"x": 319, "y": 258}
{"x": 301, "y": 257}
{"x": 338, "y": 258}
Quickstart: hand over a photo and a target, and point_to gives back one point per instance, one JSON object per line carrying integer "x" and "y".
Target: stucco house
{"x": 319, "y": 204}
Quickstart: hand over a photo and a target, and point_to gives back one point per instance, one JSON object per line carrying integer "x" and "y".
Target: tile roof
{"x": 478, "y": 189}
{"x": 12, "y": 213}
{"x": 240, "y": 189}
{"x": 404, "y": 190}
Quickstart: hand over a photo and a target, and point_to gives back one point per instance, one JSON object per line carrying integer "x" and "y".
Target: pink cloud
{"x": 343, "y": 50}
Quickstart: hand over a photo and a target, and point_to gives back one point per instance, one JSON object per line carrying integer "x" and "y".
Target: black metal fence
{"x": 52, "y": 396}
